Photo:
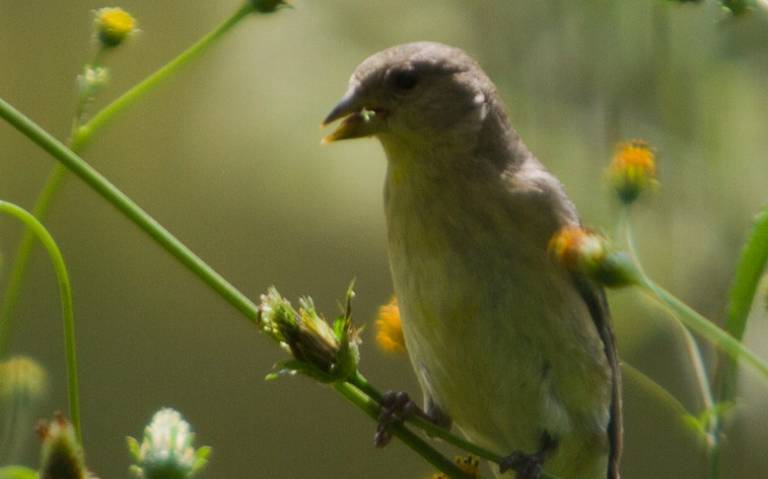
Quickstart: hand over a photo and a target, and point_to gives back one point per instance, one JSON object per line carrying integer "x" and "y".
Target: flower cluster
{"x": 326, "y": 352}
{"x": 166, "y": 452}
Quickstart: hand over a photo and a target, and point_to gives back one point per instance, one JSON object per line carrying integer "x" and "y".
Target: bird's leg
{"x": 529, "y": 466}
{"x": 396, "y": 407}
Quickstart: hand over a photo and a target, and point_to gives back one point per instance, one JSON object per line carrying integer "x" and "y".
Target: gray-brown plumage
{"x": 517, "y": 350}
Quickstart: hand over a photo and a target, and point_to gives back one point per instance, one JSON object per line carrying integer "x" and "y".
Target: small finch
{"x": 516, "y": 348}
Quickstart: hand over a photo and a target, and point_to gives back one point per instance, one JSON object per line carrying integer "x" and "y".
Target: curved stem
{"x": 103, "y": 117}
{"x": 21, "y": 259}
{"x": 65, "y": 289}
{"x": 694, "y": 352}
{"x": 129, "y": 208}
{"x": 704, "y": 327}
{"x": 79, "y": 137}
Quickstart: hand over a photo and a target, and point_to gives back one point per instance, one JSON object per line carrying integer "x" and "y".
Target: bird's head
{"x": 412, "y": 94}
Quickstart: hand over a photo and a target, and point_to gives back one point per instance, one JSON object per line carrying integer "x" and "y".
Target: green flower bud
{"x": 166, "y": 451}
{"x": 267, "y": 6}
{"x": 587, "y": 252}
{"x": 324, "y": 352}
{"x": 62, "y": 456}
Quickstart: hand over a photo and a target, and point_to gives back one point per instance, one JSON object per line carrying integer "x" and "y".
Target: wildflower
{"x": 91, "y": 80}
{"x": 166, "y": 452}
{"x": 114, "y": 25}
{"x": 587, "y": 252}
{"x": 62, "y": 456}
{"x": 389, "y": 331}
{"x": 469, "y": 465}
{"x": 323, "y": 351}
{"x": 632, "y": 170}
{"x": 22, "y": 378}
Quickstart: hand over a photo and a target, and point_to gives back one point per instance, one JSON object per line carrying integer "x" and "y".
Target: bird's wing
{"x": 594, "y": 297}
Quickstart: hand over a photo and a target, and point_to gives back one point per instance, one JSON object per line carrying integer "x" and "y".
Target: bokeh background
{"x": 227, "y": 156}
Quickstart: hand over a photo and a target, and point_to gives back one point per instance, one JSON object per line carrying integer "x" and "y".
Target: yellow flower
{"x": 632, "y": 170}
{"x": 113, "y": 25}
{"x": 389, "y": 331}
{"x": 576, "y": 247}
{"x": 470, "y": 465}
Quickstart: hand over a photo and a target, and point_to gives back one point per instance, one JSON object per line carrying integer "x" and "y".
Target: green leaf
{"x": 752, "y": 263}
{"x": 133, "y": 447}
{"x": 17, "y": 472}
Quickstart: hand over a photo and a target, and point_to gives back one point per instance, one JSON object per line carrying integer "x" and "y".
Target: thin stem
{"x": 67, "y": 311}
{"x": 694, "y": 352}
{"x": 704, "y": 327}
{"x": 21, "y": 259}
{"x": 79, "y": 137}
{"x": 129, "y": 208}
{"x": 654, "y": 388}
{"x": 421, "y": 447}
{"x": 103, "y": 117}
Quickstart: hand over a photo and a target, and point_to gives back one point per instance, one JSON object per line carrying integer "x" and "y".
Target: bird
{"x": 517, "y": 350}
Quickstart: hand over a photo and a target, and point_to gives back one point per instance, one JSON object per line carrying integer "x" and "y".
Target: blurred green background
{"x": 227, "y": 156}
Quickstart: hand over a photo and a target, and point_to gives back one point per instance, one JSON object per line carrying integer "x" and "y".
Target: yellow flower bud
{"x": 632, "y": 170}
{"x": 114, "y": 25}
{"x": 389, "y": 331}
{"x": 587, "y": 252}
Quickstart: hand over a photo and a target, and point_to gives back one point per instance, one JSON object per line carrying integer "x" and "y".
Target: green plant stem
{"x": 104, "y": 116}
{"x": 129, "y": 208}
{"x": 694, "y": 352}
{"x": 79, "y": 137}
{"x": 704, "y": 327}
{"x": 371, "y": 408}
{"x": 753, "y": 261}
{"x": 65, "y": 289}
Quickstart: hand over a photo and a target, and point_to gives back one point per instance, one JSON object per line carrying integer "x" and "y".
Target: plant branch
{"x": 372, "y": 408}
{"x": 104, "y": 116}
{"x": 129, "y": 208}
{"x": 67, "y": 312}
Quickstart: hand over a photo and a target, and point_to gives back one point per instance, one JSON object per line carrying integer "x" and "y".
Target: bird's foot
{"x": 529, "y": 466}
{"x": 396, "y": 407}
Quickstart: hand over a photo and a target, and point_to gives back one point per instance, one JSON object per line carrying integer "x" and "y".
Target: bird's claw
{"x": 396, "y": 407}
{"x": 527, "y": 466}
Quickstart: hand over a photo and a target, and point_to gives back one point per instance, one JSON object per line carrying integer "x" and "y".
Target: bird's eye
{"x": 404, "y": 80}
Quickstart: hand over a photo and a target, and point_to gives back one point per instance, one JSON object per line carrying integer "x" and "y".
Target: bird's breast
{"x": 491, "y": 323}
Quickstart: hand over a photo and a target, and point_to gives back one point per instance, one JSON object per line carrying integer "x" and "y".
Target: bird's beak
{"x": 358, "y": 119}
